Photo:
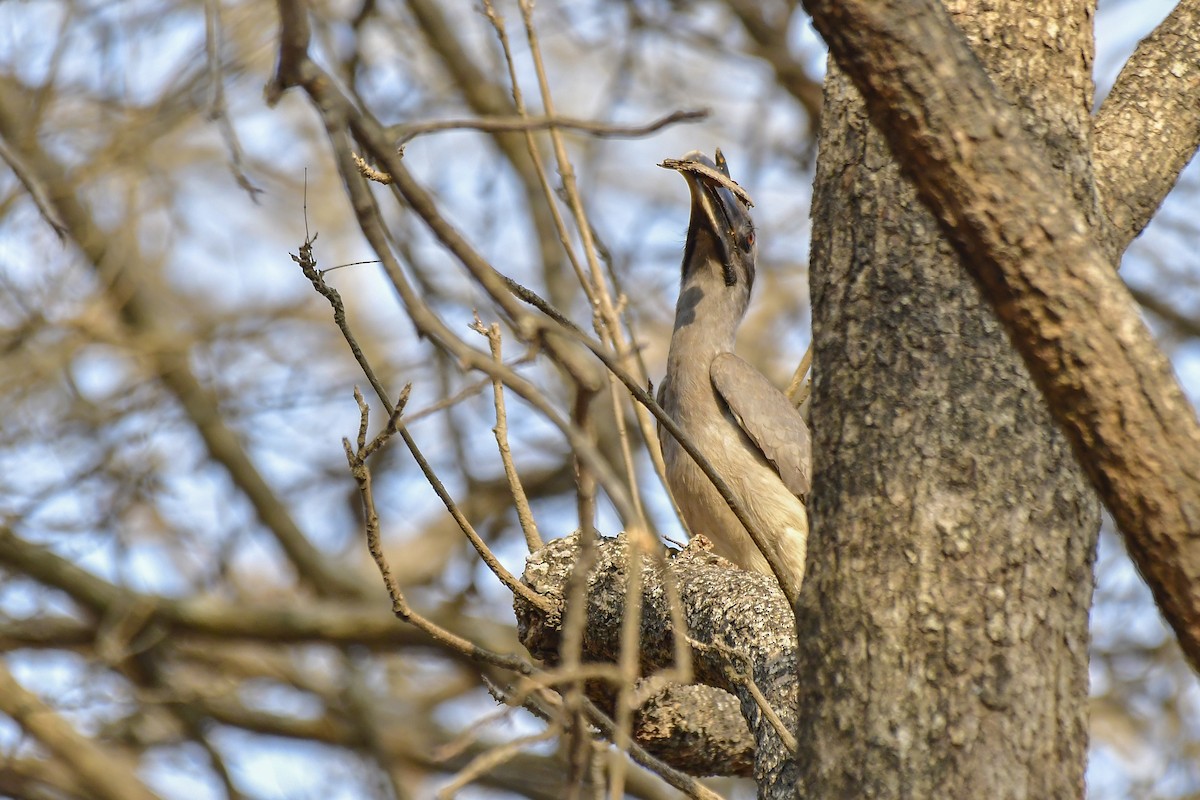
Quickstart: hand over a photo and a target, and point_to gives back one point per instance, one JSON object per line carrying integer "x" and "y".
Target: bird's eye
{"x": 748, "y": 240}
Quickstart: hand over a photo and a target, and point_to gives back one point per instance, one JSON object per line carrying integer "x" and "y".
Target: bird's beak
{"x": 708, "y": 209}
{"x": 713, "y": 204}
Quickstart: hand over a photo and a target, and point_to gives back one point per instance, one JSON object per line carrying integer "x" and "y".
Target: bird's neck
{"x": 707, "y": 317}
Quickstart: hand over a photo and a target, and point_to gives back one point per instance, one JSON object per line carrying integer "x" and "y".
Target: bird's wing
{"x": 660, "y": 397}
{"x": 767, "y": 417}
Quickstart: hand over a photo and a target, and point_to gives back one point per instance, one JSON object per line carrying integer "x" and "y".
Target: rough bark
{"x": 1028, "y": 233}
{"x": 738, "y": 623}
{"x": 698, "y": 729}
{"x": 953, "y": 531}
{"x": 1148, "y": 127}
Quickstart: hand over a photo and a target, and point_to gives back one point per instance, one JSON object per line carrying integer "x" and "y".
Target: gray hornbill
{"x": 754, "y": 438}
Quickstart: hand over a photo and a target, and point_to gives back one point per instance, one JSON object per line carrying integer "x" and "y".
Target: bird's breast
{"x": 691, "y": 401}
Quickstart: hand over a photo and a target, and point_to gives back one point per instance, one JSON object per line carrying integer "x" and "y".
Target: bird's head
{"x": 720, "y": 239}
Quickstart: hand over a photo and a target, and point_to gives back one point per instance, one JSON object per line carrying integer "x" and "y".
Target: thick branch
{"x": 698, "y": 729}
{"x": 740, "y": 627}
{"x": 1011, "y": 217}
{"x": 1149, "y": 125}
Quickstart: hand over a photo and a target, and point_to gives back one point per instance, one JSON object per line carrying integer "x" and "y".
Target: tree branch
{"x": 1148, "y": 127}
{"x": 751, "y": 628}
{"x": 1033, "y": 251}
{"x": 698, "y": 729}
{"x": 106, "y": 775}
{"x": 406, "y": 132}
{"x": 364, "y": 623}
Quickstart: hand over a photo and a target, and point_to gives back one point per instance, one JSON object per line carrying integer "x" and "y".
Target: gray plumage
{"x": 743, "y": 424}
{"x": 765, "y": 414}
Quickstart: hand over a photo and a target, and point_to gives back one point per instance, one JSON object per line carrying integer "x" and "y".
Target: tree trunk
{"x": 946, "y": 607}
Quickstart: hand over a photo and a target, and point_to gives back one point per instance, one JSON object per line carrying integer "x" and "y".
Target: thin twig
{"x": 684, "y": 783}
{"x": 362, "y": 475}
{"x": 38, "y": 191}
{"x": 485, "y": 552}
{"x": 407, "y": 132}
{"x": 580, "y": 752}
{"x": 520, "y": 501}
{"x": 430, "y": 325}
{"x": 469, "y": 735}
{"x": 628, "y": 657}
{"x": 364, "y": 716}
{"x": 567, "y": 172}
{"x": 585, "y": 481}
{"x": 217, "y": 110}
{"x": 490, "y": 759}
{"x": 707, "y": 172}
{"x": 534, "y": 299}
{"x": 607, "y": 322}
{"x": 308, "y": 265}
{"x": 107, "y": 776}
{"x": 551, "y": 678}
{"x": 466, "y": 393}
{"x": 745, "y": 677}
{"x": 535, "y": 153}
{"x": 764, "y": 705}
{"x": 426, "y": 321}
{"x": 543, "y": 704}
{"x": 799, "y": 389}
{"x": 596, "y": 291}
{"x": 604, "y": 311}
{"x": 195, "y": 724}
{"x": 626, "y": 447}
{"x": 575, "y": 623}
{"x": 370, "y": 173}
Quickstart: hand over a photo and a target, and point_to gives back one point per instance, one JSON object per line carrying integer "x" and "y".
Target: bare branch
{"x": 218, "y": 111}
{"x": 294, "y": 35}
{"x": 489, "y": 760}
{"x": 524, "y": 513}
{"x": 773, "y": 45}
{"x": 370, "y": 173}
{"x": 400, "y": 605}
{"x": 407, "y": 132}
{"x": 340, "y": 113}
{"x": 37, "y": 190}
{"x": 798, "y": 388}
